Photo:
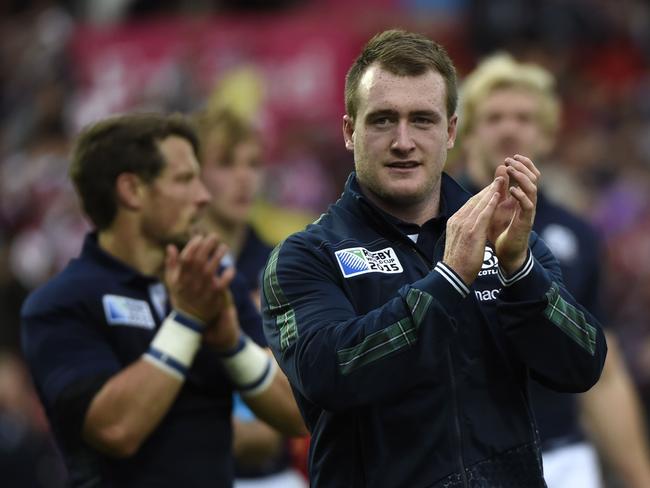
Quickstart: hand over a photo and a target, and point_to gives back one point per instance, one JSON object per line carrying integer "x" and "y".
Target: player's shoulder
{"x": 71, "y": 286}
{"x": 306, "y": 249}
{"x": 553, "y": 215}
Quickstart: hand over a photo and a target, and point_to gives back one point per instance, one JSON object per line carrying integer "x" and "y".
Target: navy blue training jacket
{"x": 405, "y": 376}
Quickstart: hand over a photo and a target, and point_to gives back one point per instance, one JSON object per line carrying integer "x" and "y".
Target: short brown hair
{"x": 121, "y": 144}
{"x": 404, "y": 54}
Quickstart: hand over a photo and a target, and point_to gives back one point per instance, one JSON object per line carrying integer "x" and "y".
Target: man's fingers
{"x": 525, "y": 165}
{"x": 486, "y": 196}
{"x": 529, "y": 164}
{"x": 524, "y": 182}
{"x": 212, "y": 264}
{"x": 222, "y": 281}
{"x": 171, "y": 256}
{"x": 470, "y": 204}
{"x": 205, "y": 248}
{"x": 502, "y": 171}
{"x": 527, "y": 206}
{"x": 171, "y": 264}
{"x": 187, "y": 254}
{"x": 198, "y": 258}
{"x": 485, "y": 216}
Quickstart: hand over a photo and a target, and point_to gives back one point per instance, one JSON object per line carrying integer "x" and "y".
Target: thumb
{"x": 171, "y": 260}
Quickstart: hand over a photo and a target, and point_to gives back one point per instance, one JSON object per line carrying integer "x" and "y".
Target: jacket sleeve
{"x": 340, "y": 359}
{"x": 556, "y": 337}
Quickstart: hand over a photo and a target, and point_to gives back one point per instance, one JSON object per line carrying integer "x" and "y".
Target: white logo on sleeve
{"x": 358, "y": 260}
{"x": 490, "y": 262}
{"x": 127, "y": 311}
{"x": 490, "y": 269}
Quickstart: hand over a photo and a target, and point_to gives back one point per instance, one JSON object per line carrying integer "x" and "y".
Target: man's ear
{"x": 348, "y": 132}
{"x": 452, "y": 131}
{"x": 128, "y": 189}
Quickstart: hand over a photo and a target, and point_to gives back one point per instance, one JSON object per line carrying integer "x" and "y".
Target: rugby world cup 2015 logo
{"x": 358, "y": 260}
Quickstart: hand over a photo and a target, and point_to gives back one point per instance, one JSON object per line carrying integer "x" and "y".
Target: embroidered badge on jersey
{"x": 127, "y": 311}
{"x": 358, "y": 260}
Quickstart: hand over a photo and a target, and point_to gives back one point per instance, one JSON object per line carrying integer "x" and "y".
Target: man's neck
{"x": 133, "y": 250}
{"x": 414, "y": 213}
{"x": 232, "y": 234}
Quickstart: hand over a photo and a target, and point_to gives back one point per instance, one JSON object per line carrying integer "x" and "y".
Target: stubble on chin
{"x": 178, "y": 241}
{"x": 181, "y": 239}
{"x": 396, "y": 198}
{"x": 195, "y": 228}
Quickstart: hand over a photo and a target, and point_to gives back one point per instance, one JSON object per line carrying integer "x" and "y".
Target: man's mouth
{"x": 509, "y": 147}
{"x": 403, "y": 164}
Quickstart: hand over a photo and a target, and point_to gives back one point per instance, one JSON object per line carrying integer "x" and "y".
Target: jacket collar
{"x": 452, "y": 197}
{"x": 125, "y": 273}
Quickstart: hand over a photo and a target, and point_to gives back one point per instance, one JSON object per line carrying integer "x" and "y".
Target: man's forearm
{"x": 128, "y": 408}
{"x": 613, "y": 417}
{"x": 277, "y": 407}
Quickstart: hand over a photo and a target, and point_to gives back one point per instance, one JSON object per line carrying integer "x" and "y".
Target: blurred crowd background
{"x": 281, "y": 64}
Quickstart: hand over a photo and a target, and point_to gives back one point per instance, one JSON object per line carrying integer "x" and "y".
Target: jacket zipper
{"x": 452, "y": 379}
{"x": 454, "y": 400}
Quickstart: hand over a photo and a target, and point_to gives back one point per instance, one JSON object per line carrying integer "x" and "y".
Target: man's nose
{"x": 509, "y": 125}
{"x": 202, "y": 195}
{"x": 402, "y": 140}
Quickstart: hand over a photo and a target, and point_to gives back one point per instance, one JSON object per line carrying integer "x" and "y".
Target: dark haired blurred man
{"x": 136, "y": 346}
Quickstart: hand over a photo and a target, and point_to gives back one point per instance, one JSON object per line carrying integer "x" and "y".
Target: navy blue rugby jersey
{"x": 91, "y": 321}
{"x": 252, "y": 259}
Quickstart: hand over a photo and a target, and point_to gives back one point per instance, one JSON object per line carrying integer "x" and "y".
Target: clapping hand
{"x": 467, "y": 229}
{"x": 194, "y": 285}
{"x": 513, "y": 217}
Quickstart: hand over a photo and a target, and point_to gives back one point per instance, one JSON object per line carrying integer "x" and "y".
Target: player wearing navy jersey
{"x": 232, "y": 172}
{"x": 136, "y": 346}
{"x": 508, "y": 107}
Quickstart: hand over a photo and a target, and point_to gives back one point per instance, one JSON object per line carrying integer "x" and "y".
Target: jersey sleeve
{"x": 340, "y": 359}
{"x": 556, "y": 337}
{"x": 250, "y": 319}
{"x": 69, "y": 359}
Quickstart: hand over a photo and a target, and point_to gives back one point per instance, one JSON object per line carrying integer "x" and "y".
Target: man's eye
{"x": 185, "y": 178}
{"x": 422, "y": 121}
{"x": 382, "y": 121}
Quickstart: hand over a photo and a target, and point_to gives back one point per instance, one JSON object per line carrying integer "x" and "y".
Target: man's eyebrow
{"x": 381, "y": 113}
{"x": 434, "y": 114}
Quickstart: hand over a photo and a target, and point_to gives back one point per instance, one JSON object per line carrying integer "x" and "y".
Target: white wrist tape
{"x": 175, "y": 345}
{"x": 250, "y": 368}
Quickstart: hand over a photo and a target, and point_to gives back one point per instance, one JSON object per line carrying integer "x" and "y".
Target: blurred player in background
{"x": 510, "y": 107}
{"x": 137, "y": 346}
{"x": 231, "y": 169}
